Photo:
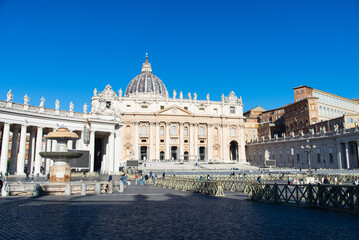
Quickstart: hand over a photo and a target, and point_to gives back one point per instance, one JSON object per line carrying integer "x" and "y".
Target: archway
{"x": 233, "y": 149}
{"x": 162, "y": 155}
{"x": 202, "y": 153}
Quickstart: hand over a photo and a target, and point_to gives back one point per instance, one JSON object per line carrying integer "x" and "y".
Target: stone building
{"x": 337, "y": 149}
{"x": 144, "y": 123}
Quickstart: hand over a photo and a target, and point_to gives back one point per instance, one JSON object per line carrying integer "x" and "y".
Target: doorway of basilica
{"x": 98, "y": 154}
{"x": 143, "y": 152}
{"x": 202, "y": 153}
{"x": 233, "y": 149}
{"x": 174, "y": 153}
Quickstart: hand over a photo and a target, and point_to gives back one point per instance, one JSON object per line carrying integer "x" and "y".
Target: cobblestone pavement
{"x": 156, "y": 213}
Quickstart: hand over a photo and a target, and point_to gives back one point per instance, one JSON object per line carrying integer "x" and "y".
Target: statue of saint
{"x": 120, "y": 92}
{"x": 174, "y": 94}
{"x": 311, "y": 131}
{"x": 95, "y": 92}
{"x": 222, "y": 97}
{"x": 85, "y": 108}
{"x": 71, "y": 106}
{"x": 336, "y": 127}
{"x": 195, "y": 96}
{"x": 9, "y": 96}
{"x": 42, "y": 102}
{"x": 266, "y": 155}
{"x": 189, "y": 96}
{"x": 181, "y": 95}
{"x": 207, "y": 96}
{"x": 57, "y": 104}
{"x": 26, "y": 99}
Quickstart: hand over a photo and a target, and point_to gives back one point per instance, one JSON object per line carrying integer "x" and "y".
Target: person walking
{"x": 27, "y": 176}
{"x": 124, "y": 178}
{"x": 141, "y": 181}
{"x": 1, "y": 183}
{"x": 146, "y": 179}
{"x": 129, "y": 184}
{"x": 32, "y": 176}
{"x": 136, "y": 178}
{"x": 110, "y": 178}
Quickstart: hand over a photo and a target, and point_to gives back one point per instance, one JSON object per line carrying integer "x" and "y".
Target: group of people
{"x": 139, "y": 178}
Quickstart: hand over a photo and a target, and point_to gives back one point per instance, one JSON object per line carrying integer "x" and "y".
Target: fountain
{"x": 60, "y": 172}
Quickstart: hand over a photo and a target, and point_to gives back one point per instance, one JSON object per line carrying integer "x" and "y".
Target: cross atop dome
{"x": 146, "y": 66}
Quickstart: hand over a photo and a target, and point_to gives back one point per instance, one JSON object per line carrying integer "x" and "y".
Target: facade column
{"x": 339, "y": 155}
{"x": 22, "y": 150}
{"x": 191, "y": 142}
{"x": 181, "y": 152}
{"x": 196, "y": 141}
{"x": 92, "y": 150}
{"x": 209, "y": 142}
{"x": 111, "y": 153}
{"x": 31, "y": 155}
{"x": 136, "y": 150}
{"x": 38, "y": 150}
{"x": 151, "y": 155}
{"x": 14, "y": 145}
{"x": 167, "y": 152}
{"x": 347, "y": 154}
{"x": 224, "y": 141}
{"x": 242, "y": 153}
{"x": 5, "y": 148}
{"x": 157, "y": 154}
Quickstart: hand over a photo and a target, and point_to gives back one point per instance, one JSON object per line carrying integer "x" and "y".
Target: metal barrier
{"x": 340, "y": 197}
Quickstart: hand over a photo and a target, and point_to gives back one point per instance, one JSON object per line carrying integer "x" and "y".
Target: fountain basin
{"x": 61, "y": 156}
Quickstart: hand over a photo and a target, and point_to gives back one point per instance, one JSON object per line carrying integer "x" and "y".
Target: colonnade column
{"x": 13, "y": 158}
{"x": 181, "y": 152}
{"x": 209, "y": 142}
{"x": 339, "y": 155}
{"x": 31, "y": 155}
{"x": 357, "y": 154}
{"x": 5, "y": 148}
{"x": 347, "y": 154}
{"x": 92, "y": 150}
{"x": 38, "y": 150}
{"x": 151, "y": 155}
{"x": 196, "y": 141}
{"x": 157, "y": 156}
{"x": 111, "y": 152}
{"x": 22, "y": 149}
{"x": 167, "y": 152}
{"x": 136, "y": 149}
{"x": 118, "y": 149}
{"x": 48, "y": 160}
{"x": 191, "y": 142}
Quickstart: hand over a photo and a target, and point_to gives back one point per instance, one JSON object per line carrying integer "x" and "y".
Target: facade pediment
{"x": 174, "y": 110}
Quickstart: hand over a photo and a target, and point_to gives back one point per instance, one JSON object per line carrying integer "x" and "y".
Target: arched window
{"x": 216, "y": 132}
{"x": 201, "y": 131}
{"x": 143, "y": 130}
{"x": 233, "y": 132}
{"x": 185, "y": 131}
{"x": 162, "y": 131}
{"x": 174, "y": 130}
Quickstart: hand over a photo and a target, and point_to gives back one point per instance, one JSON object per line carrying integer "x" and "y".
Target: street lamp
{"x": 307, "y": 148}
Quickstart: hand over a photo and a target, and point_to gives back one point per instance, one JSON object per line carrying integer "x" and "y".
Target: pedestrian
{"x": 163, "y": 175}
{"x": 124, "y": 177}
{"x": 110, "y": 178}
{"x": 146, "y": 179}
{"x": 0, "y": 175}
{"x": 27, "y": 176}
{"x": 326, "y": 181}
{"x": 208, "y": 177}
{"x": 1, "y": 183}
{"x": 259, "y": 179}
{"x": 129, "y": 183}
{"x": 356, "y": 182}
{"x": 200, "y": 178}
{"x": 136, "y": 178}
{"x": 141, "y": 181}
{"x": 6, "y": 175}
{"x": 48, "y": 177}
{"x": 289, "y": 181}
{"x": 32, "y": 176}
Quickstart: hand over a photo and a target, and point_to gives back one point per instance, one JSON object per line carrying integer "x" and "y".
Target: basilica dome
{"x": 146, "y": 82}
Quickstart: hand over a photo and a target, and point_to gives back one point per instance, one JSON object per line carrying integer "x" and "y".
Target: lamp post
{"x": 308, "y": 148}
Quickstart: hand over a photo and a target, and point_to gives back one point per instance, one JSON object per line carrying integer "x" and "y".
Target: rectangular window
{"x": 215, "y": 110}
{"x": 144, "y": 106}
{"x": 331, "y": 157}
{"x": 186, "y": 141}
{"x": 233, "y": 110}
{"x": 186, "y": 108}
{"x": 128, "y": 106}
{"x": 143, "y": 140}
{"x": 202, "y": 141}
{"x": 201, "y": 109}
{"x": 162, "y": 140}
{"x": 162, "y": 107}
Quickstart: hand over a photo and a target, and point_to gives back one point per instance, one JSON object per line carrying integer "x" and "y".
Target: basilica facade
{"x": 143, "y": 123}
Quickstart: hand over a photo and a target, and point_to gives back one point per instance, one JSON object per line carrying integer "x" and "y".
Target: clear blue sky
{"x": 259, "y": 49}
